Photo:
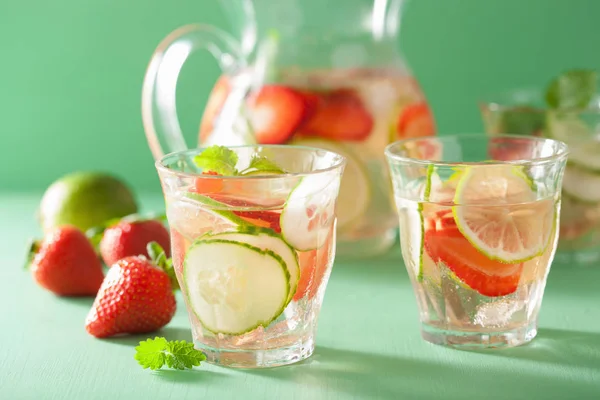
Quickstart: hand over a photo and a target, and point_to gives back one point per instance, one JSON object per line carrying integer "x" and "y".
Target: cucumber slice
{"x": 356, "y": 189}
{"x": 266, "y": 239}
{"x": 234, "y": 287}
{"x": 309, "y": 211}
{"x": 581, "y": 184}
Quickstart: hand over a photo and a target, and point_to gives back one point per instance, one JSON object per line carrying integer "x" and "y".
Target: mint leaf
{"x": 182, "y": 355}
{"x": 177, "y": 354}
{"x": 218, "y": 159}
{"x": 263, "y": 164}
{"x": 572, "y": 90}
{"x": 151, "y": 353}
{"x": 522, "y": 120}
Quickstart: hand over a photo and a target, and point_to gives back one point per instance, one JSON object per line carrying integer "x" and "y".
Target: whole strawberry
{"x": 135, "y": 297}
{"x": 66, "y": 263}
{"x": 130, "y": 238}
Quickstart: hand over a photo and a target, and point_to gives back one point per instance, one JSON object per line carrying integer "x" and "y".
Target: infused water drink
{"x": 478, "y": 238}
{"x": 253, "y": 249}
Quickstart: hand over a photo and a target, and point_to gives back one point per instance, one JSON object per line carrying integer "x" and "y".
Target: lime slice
{"x": 499, "y": 214}
{"x": 586, "y": 155}
{"x": 355, "y": 190}
{"x": 567, "y": 128}
{"x": 581, "y": 184}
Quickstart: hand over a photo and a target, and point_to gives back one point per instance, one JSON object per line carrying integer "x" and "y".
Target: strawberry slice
{"x": 275, "y": 113}
{"x": 445, "y": 243}
{"x": 313, "y": 268}
{"x": 263, "y": 219}
{"x": 339, "y": 115}
{"x": 205, "y": 186}
{"x": 416, "y": 120}
{"x": 215, "y": 102}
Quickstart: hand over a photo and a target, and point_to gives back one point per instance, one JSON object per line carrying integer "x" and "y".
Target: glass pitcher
{"x": 325, "y": 74}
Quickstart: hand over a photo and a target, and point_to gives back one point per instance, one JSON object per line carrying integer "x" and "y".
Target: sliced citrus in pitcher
{"x": 355, "y": 190}
{"x": 499, "y": 214}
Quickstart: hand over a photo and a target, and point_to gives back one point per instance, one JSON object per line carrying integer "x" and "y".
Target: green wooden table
{"x": 368, "y": 343}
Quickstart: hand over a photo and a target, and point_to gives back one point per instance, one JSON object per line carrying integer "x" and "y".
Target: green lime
{"x": 85, "y": 200}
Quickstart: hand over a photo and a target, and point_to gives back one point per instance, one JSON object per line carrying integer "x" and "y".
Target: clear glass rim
{"x": 184, "y": 154}
{"x": 563, "y": 150}
{"x": 501, "y": 101}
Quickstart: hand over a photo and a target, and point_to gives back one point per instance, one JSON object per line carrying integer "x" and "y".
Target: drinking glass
{"x": 523, "y": 112}
{"x": 253, "y": 252}
{"x": 478, "y": 228}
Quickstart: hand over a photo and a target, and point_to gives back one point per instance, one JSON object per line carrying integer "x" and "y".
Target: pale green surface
{"x": 72, "y": 71}
{"x": 368, "y": 344}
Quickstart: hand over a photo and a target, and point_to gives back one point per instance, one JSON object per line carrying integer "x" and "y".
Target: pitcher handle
{"x": 159, "y": 112}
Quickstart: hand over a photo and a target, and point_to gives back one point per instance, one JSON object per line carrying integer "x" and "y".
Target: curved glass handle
{"x": 159, "y": 111}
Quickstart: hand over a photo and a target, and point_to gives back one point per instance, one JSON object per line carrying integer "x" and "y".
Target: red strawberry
{"x": 66, "y": 263}
{"x": 213, "y": 106}
{"x": 131, "y": 239}
{"x": 340, "y": 115}
{"x": 415, "y": 120}
{"x": 135, "y": 297}
{"x": 275, "y": 113}
{"x": 264, "y": 219}
{"x": 445, "y": 243}
{"x": 207, "y": 185}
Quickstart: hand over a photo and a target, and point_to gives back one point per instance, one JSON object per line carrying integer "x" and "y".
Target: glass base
{"x": 257, "y": 358}
{"x": 367, "y": 247}
{"x": 583, "y": 257}
{"x": 479, "y": 340}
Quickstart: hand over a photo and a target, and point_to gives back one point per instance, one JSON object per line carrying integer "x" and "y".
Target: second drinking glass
{"x": 478, "y": 231}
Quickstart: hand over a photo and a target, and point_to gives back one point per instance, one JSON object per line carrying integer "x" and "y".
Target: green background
{"x": 71, "y": 72}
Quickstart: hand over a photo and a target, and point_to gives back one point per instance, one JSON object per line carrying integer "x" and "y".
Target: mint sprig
{"x": 177, "y": 354}
{"x": 572, "y": 90}
{"x": 218, "y": 159}
{"x": 223, "y": 161}
{"x": 262, "y": 164}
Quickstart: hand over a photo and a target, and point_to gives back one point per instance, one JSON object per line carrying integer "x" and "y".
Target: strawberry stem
{"x": 159, "y": 258}
{"x": 33, "y": 247}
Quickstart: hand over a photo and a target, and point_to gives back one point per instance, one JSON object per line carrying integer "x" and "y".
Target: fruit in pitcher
{"x": 275, "y": 113}
{"x": 135, "y": 297}
{"x": 85, "y": 200}
{"x": 131, "y": 239}
{"x": 355, "y": 190}
{"x": 339, "y": 115}
{"x": 415, "y": 120}
{"x": 66, "y": 264}
{"x": 216, "y": 99}
{"x": 445, "y": 243}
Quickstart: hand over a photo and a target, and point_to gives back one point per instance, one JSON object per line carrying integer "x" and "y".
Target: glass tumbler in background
{"x": 253, "y": 253}
{"x": 478, "y": 232}
{"x": 523, "y": 112}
